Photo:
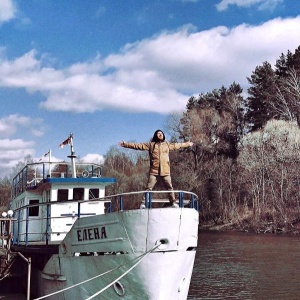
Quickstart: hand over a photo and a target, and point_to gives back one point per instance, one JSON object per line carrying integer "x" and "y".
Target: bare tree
{"x": 269, "y": 161}
{"x": 287, "y": 104}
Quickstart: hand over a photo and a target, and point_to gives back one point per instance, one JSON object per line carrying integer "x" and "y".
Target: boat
{"x": 66, "y": 239}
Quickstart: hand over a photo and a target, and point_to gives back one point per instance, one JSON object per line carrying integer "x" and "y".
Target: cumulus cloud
{"x": 93, "y": 158}
{"x": 13, "y": 151}
{"x": 157, "y": 74}
{"x": 10, "y": 124}
{"x": 262, "y": 4}
{"x": 7, "y": 10}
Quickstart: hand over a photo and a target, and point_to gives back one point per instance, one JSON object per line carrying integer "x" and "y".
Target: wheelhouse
{"x": 34, "y": 193}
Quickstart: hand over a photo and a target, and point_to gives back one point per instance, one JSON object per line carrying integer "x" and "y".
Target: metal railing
{"x": 34, "y": 173}
{"x": 148, "y": 199}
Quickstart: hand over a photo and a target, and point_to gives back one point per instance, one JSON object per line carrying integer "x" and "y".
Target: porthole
{"x": 119, "y": 288}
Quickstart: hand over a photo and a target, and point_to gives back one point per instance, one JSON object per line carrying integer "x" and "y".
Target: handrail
{"x": 33, "y": 173}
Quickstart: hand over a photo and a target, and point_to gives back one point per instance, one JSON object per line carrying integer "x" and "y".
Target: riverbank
{"x": 259, "y": 227}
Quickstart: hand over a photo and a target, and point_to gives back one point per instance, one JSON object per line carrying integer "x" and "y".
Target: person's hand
{"x": 191, "y": 144}
{"x": 121, "y": 143}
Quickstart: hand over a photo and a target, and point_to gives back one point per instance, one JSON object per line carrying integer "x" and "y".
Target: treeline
{"x": 245, "y": 159}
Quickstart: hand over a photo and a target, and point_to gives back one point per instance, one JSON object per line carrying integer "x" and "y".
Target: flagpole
{"x": 68, "y": 141}
{"x": 72, "y": 156}
{"x": 50, "y": 163}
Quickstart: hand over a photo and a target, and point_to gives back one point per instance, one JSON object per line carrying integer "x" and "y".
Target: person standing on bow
{"x": 159, "y": 150}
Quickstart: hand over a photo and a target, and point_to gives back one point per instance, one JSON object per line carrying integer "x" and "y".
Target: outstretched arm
{"x": 136, "y": 146}
{"x": 177, "y": 146}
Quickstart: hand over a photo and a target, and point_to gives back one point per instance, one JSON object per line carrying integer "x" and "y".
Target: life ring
{"x": 85, "y": 173}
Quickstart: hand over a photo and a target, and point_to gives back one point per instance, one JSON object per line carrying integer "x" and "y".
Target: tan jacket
{"x": 159, "y": 154}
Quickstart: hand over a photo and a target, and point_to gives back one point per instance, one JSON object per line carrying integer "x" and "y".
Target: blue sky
{"x": 114, "y": 70}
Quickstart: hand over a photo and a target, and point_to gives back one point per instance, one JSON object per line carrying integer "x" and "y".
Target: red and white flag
{"x": 66, "y": 142}
{"x": 46, "y": 154}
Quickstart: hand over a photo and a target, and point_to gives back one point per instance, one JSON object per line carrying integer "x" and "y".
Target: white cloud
{"x": 262, "y": 4}
{"x": 158, "y": 74}
{"x": 13, "y": 151}
{"x": 7, "y": 10}
{"x": 14, "y": 145}
{"x": 11, "y": 124}
{"x": 93, "y": 158}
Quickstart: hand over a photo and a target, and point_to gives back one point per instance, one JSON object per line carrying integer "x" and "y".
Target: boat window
{"x": 33, "y": 211}
{"x": 78, "y": 193}
{"x": 62, "y": 194}
{"x": 93, "y": 193}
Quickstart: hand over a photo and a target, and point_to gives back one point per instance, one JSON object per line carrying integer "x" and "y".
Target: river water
{"x": 231, "y": 265}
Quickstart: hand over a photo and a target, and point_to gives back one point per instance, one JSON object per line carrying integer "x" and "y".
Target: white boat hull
{"x": 116, "y": 242}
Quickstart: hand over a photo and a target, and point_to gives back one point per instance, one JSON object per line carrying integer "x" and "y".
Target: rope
{"x": 109, "y": 285}
{"x": 141, "y": 257}
{"x": 4, "y": 277}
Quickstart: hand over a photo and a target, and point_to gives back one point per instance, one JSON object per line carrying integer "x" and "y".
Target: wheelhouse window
{"x": 34, "y": 210}
{"x": 62, "y": 194}
{"x": 93, "y": 193}
{"x": 78, "y": 193}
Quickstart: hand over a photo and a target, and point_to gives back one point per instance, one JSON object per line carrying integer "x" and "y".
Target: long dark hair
{"x": 155, "y": 139}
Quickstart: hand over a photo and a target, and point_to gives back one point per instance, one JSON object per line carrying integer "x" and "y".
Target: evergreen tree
{"x": 281, "y": 66}
{"x": 294, "y": 60}
{"x": 260, "y": 103}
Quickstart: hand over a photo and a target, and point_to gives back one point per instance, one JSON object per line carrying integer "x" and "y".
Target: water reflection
{"x": 245, "y": 266}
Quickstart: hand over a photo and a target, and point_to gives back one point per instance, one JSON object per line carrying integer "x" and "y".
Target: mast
{"x": 68, "y": 141}
{"x": 72, "y": 156}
